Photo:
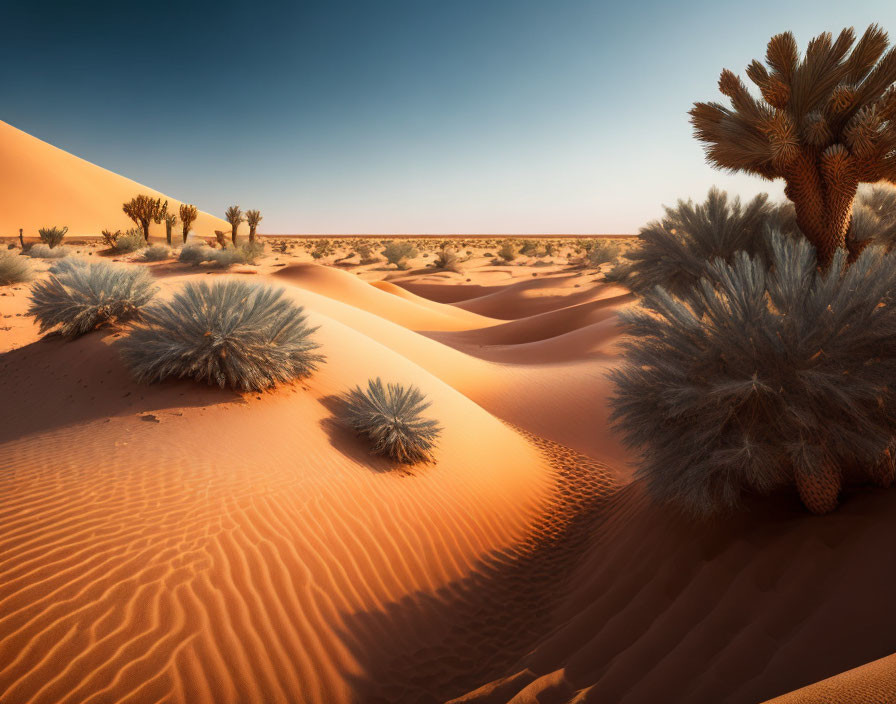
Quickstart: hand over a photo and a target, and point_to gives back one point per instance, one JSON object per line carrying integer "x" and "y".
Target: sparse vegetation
{"x": 598, "y": 252}
{"x": 507, "y": 251}
{"x": 447, "y": 260}
{"x": 14, "y": 269}
{"x": 52, "y": 236}
{"x": 44, "y": 251}
{"x": 233, "y": 334}
{"x": 188, "y": 215}
{"x": 79, "y": 296}
{"x": 398, "y": 252}
{"x": 130, "y": 241}
{"x": 365, "y": 252}
{"x": 391, "y": 417}
{"x": 170, "y": 222}
{"x": 322, "y": 248}
{"x": 763, "y": 376}
{"x": 110, "y": 238}
{"x": 143, "y": 210}
{"x": 156, "y": 253}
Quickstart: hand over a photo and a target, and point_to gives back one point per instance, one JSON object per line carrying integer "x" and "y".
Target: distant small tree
{"x": 170, "y": 222}
{"x": 52, "y": 236}
{"x": 143, "y": 210}
{"x": 253, "y": 217}
{"x": 234, "y": 216}
{"x": 188, "y": 215}
{"x": 507, "y": 252}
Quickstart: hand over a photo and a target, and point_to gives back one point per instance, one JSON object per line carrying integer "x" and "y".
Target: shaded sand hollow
{"x": 182, "y": 544}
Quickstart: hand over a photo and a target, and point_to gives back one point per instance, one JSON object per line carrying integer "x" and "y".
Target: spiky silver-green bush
{"x": 675, "y": 252}
{"x": 874, "y": 216}
{"x": 45, "y": 251}
{"x": 241, "y": 335}
{"x": 14, "y": 269}
{"x": 156, "y": 253}
{"x": 391, "y": 417}
{"x": 130, "y": 241}
{"x": 52, "y": 236}
{"x": 79, "y": 296}
{"x": 762, "y": 376}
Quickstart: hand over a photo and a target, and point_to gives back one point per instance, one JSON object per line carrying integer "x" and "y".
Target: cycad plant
{"x": 391, "y": 416}
{"x": 234, "y": 216}
{"x": 188, "y": 215}
{"x": 764, "y": 374}
{"x": 78, "y": 296}
{"x": 826, "y": 122}
{"x": 241, "y": 335}
{"x": 253, "y": 217}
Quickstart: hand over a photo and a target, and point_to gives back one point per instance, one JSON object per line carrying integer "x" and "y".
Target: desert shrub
{"x": 52, "y": 236}
{"x": 391, "y": 417}
{"x": 365, "y": 252}
{"x": 507, "y": 251}
{"x": 44, "y": 251}
{"x": 322, "y": 248}
{"x": 761, "y": 377}
{"x": 130, "y": 241}
{"x": 156, "y": 253}
{"x": 447, "y": 259}
{"x": 250, "y": 251}
{"x": 110, "y": 238}
{"x": 529, "y": 248}
{"x": 245, "y": 336}
{"x": 397, "y": 253}
{"x": 14, "y": 269}
{"x": 675, "y": 252}
{"x": 874, "y": 216}
{"x": 488, "y": 254}
{"x": 601, "y": 252}
{"x": 79, "y": 296}
{"x": 194, "y": 253}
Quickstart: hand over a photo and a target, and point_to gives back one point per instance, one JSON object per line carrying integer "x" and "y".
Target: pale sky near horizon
{"x": 509, "y": 116}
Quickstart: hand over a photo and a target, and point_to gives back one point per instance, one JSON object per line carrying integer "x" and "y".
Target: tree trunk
{"x": 21, "y": 239}
{"x": 233, "y": 229}
{"x": 145, "y": 226}
{"x": 251, "y": 233}
{"x": 186, "y": 232}
{"x": 168, "y": 233}
{"x": 819, "y": 491}
{"x": 823, "y": 188}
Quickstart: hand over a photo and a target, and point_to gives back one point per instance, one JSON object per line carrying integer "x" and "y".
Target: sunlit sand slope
{"x": 44, "y": 186}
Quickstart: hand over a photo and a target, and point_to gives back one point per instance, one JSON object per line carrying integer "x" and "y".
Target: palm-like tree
{"x": 234, "y": 216}
{"x": 143, "y": 210}
{"x": 253, "y": 217}
{"x": 170, "y": 222}
{"x": 826, "y": 122}
{"x": 188, "y": 215}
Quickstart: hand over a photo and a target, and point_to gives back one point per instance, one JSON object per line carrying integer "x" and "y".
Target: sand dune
{"x": 179, "y": 543}
{"x": 46, "y": 186}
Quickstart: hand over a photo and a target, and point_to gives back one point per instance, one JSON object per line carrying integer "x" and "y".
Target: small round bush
{"x": 130, "y": 241}
{"x": 763, "y": 375}
{"x": 79, "y": 296}
{"x": 507, "y": 251}
{"x": 447, "y": 259}
{"x": 194, "y": 253}
{"x": 397, "y": 253}
{"x": 156, "y": 253}
{"x": 391, "y": 417}
{"x": 44, "y": 251}
{"x": 241, "y": 335}
{"x": 14, "y": 269}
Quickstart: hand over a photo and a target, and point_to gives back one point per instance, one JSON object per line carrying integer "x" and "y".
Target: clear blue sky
{"x": 409, "y": 116}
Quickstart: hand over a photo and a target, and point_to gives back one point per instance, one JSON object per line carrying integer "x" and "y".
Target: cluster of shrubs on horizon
{"x": 235, "y": 334}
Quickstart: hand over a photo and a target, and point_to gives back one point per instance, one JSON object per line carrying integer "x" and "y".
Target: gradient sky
{"x": 426, "y": 116}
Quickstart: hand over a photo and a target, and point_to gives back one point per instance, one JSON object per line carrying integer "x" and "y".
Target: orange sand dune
{"x": 736, "y": 611}
{"x": 179, "y": 543}
{"x": 44, "y": 186}
{"x": 874, "y": 683}
{"x": 410, "y": 313}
